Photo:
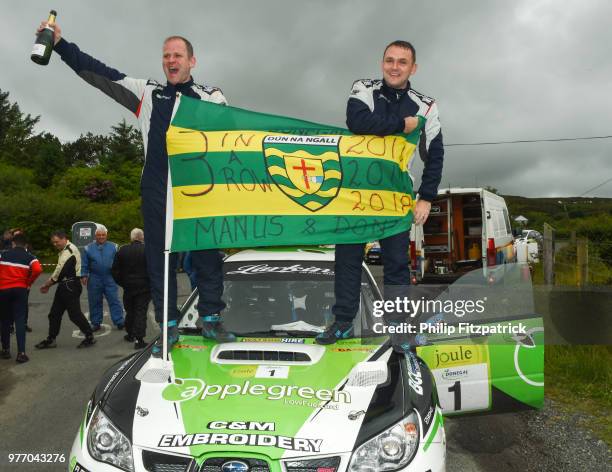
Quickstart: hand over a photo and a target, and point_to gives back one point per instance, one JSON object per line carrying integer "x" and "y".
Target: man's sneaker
{"x": 22, "y": 358}
{"x": 5, "y": 354}
{"x": 46, "y": 344}
{"x": 338, "y": 330}
{"x": 129, "y": 338}
{"x": 95, "y": 328}
{"x": 140, "y": 343}
{"x": 87, "y": 342}
{"x": 173, "y": 337}
{"x": 120, "y": 327}
{"x": 212, "y": 328}
{"x": 28, "y": 329}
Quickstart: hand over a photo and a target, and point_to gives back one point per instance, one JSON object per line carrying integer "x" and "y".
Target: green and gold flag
{"x": 241, "y": 179}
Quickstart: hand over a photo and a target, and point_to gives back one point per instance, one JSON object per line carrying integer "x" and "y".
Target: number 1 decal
{"x": 456, "y": 388}
{"x": 272, "y": 372}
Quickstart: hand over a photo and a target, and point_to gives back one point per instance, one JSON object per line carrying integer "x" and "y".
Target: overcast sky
{"x": 500, "y": 71}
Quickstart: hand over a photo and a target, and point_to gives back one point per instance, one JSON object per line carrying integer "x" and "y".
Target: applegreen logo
{"x": 183, "y": 389}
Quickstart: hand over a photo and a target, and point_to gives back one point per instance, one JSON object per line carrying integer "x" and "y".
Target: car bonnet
{"x": 311, "y": 403}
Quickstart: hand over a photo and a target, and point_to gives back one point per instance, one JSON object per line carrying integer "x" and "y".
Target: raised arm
{"x": 121, "y": 88}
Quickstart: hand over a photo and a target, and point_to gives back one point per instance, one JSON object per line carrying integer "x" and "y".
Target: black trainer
{"x": 22, "y": 358}
{"x": 129, "y": 338}
{"x": 5, "y": 354}
{"x": 173, "y": 338}
{"x": 212, "y": 328}
{"x": 46, "y": 344}
{"x": 338, "y": 330}
{"x": 140, "y": 343}
{"x": 87, "y": 342}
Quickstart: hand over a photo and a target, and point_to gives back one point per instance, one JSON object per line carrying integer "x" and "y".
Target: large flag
{"x": 241, "y": 179}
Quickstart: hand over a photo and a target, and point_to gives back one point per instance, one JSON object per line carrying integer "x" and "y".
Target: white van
{"x": 466, "y": 228}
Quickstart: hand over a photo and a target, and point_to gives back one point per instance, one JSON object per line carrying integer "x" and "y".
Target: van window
{"x": 507, "y": 221}
{"x": 499, "y": 223}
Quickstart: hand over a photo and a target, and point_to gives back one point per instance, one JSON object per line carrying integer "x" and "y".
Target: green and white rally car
{"x": 274, "y": 400}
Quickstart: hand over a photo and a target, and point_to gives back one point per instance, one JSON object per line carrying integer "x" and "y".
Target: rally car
{"x": 274, "y": 400}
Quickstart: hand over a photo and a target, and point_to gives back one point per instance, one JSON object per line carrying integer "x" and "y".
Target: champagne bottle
{"x": 41, "y": 52}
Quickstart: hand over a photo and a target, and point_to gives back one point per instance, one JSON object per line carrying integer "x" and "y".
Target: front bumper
{"x": 431, "y": 456}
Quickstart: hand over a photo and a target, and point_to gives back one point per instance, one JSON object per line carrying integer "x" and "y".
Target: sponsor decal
{"x": 243, "y": 372}
{"x": 311, "y": 404}
{"x": 415, "y": 380}
{"x": 188, "y": 389}
{"x": 428, "y": 416}
{"x": 454, "y": 374}
{"x": 451, "y": 355}
{"x": 193, "y": 347}
{"x": 525, "y": 352}
{"x": 242, "y": 425}
{"x": 141, "y": 411}
{"x": 265, "y": 269}
{"x": 352, "y": 349}
{"x": 241, "y": 439}
{"x": 355, "y": 415}
{"x": 274, "y": 340}
{"x": 116, "y": 374}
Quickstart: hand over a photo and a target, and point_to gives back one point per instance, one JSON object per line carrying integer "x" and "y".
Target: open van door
{"x": 494, "y": 360}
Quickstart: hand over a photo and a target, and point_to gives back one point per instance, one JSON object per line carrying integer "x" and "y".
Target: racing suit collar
{"x": 182, "y": 86}
{"x": 394, "y": 93}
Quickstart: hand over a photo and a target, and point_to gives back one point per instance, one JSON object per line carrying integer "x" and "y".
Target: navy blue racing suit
{"x": 152, "y": 103}
{"x": 375, "y": 108}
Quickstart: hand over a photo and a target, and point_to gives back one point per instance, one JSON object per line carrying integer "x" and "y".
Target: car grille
{"x": 215, "y": 464}
{"x": 238, "y": 355}
{"x": 156, "y": 462}
{"x": 327, "y": 464}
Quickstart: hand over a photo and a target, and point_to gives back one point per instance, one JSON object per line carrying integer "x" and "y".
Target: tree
{"x": 45, "y": 158}
{"x": 124, "y": 147}
{"x": 87, "y": 151}
{"x": 16, "y": 129}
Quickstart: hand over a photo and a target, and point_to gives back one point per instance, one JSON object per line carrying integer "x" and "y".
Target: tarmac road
{"x": 42, "y": 403}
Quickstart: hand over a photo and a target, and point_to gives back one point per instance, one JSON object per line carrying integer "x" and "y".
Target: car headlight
{"x": 107, "y": 444}
{"x": 390, "y": 450}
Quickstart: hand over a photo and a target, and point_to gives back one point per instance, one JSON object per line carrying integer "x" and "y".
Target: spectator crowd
{"x": 101, "y": 266}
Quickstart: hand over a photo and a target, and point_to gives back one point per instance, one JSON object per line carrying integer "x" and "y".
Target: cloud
{"x": 499, "y": 70}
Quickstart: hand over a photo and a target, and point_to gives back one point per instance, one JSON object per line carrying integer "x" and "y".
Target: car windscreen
{"x": 279, "y": 296}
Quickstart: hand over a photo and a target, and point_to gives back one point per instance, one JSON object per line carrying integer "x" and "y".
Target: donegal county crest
{"x": 305, "y": 168}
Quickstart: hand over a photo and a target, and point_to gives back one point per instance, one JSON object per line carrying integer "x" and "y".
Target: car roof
{"x": 306, "y": 253}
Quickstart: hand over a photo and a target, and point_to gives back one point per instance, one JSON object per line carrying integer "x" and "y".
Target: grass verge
{"x": 579, "y": 378}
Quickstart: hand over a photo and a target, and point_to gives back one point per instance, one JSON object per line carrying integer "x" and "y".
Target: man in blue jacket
{"x": 386, "y": 107}
{"x": 96, "y": 274}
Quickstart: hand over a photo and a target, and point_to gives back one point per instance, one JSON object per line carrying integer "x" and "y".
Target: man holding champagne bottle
{"x": 152, "y": 104}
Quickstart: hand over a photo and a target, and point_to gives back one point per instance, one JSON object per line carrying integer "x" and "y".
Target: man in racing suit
{"x": 386, "y": 107}
{"x": 152, "y": 103}
{"x": 67, "y": 296}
